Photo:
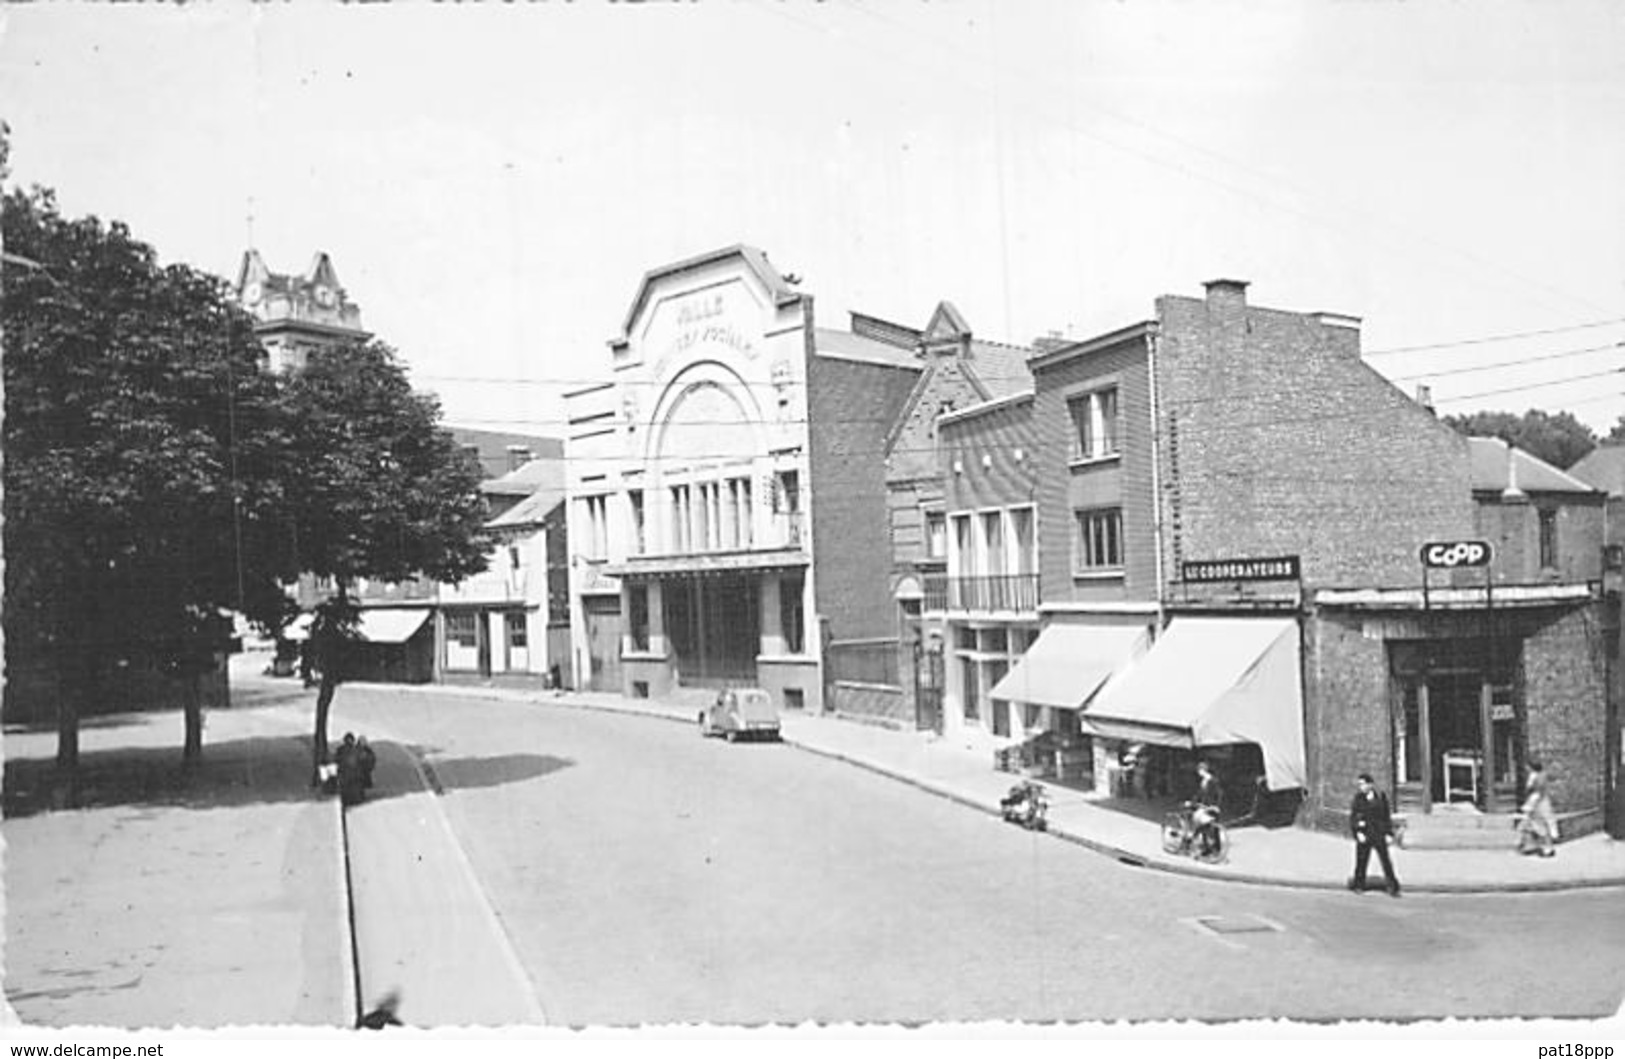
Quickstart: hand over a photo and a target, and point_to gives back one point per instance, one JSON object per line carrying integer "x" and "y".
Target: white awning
{"x": 1068, "y": 663}
{"x": 1212, "y": 681}
{"x": 391, "y": 625}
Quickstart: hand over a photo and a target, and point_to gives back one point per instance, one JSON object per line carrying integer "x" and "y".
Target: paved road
{"x": 643, "y": 875}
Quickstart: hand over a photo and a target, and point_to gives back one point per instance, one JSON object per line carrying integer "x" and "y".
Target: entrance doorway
{"x": 603, "y": 617}
{"x": 714, "y": 628}
{"x": 1456, "y": 735}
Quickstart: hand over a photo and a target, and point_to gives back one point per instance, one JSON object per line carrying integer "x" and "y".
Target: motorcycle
{"x": 1027, "y": 805}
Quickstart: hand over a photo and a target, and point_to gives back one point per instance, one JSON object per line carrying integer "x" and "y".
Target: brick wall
{"x": 943, "y": 385}
{"x": 1514, "y": 530}
{"x": 985, "y": 446}
{"x": 851, "y": 408}
{"x": 1286, "y": 443}
{"x": 1347, "y": 710}
{"x": 1126, "y": 480}
{"x": 1564, "y": 687}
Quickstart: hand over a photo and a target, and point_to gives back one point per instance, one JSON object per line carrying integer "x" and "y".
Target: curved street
{"x": 625, "y": 871}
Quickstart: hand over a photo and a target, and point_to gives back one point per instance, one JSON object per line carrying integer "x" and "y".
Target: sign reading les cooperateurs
{"x": 1279, "y": 568}
{"x": 1446, "y": 555}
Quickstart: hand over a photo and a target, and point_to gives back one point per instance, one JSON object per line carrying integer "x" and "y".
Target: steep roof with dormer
{"x": 958, "y": 371}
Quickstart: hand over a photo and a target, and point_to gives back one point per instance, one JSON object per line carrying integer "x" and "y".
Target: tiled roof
{"x": 1603, "y": 468}
{"x": 533, "y": 509}
{"x": 1490, "y": 469}
{"x": 544, "y": 473}
{"x": 847, "y": 346}
{"x": 1001, "y": 368}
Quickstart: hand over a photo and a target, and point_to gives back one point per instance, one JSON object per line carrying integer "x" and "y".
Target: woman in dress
{"x": 1537, "y": 829}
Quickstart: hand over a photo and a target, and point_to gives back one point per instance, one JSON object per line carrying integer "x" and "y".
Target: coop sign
{"x": 1447, "y": 555}
{"x": 1277, "y": 568}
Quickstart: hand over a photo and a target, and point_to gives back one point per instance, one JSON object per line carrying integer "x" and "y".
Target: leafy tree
{"x": 1559, "y": 439}
{"x": 378, "y": 490}
{"x": 155, "y": 474}
{"x": 1616, "y": 435}
{"x": 141, "y": 440}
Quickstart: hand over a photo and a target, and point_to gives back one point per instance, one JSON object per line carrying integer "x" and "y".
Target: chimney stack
{"x": 1226, "y": 292}
{"x": 1424, "y": 396}
{"x": 518, "y": 456}
{"x": 1512, "y": 494}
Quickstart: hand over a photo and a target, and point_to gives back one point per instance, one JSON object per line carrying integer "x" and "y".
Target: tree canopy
{"x": 156, "y": 475}
{"x": 1556, "y": 437}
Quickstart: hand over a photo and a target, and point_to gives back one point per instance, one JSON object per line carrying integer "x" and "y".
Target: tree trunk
{"x": 318, "y": 743}
{"x": 73, "y": 685}
{"x": 192, "y": 752}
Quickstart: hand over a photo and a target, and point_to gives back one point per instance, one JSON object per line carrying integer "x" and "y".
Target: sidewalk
{"x": 210, "y": 900}
{"x": 1289, "y": 856}
{"x": 424, "y": 929}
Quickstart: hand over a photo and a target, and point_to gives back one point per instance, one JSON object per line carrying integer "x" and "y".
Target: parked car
{"x": 741, "y": 712}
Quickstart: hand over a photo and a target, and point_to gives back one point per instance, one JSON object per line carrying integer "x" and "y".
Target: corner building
{"x": 1231, "y": 506}
{"x": 727, "y": 495}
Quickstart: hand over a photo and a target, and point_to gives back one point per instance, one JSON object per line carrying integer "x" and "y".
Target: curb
{"x": 1138, "y": 860}
{"x": 1181, "y": 867}
{"x": 351, "y": 957}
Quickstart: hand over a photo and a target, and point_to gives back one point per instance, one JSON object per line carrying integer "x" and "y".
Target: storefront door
{"x": 1441, "y": 755}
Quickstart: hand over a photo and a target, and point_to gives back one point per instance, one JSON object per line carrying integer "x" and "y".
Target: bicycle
{"x": 1181, "y": 834}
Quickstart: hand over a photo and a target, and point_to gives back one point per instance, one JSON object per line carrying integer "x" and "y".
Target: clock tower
{"x": 297, "y": 316}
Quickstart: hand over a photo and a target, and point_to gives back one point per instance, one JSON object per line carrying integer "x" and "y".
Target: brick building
{"x": 727, "y": 488}
{"x": 957, "y": 370}
{"x": 1235, "y": 486}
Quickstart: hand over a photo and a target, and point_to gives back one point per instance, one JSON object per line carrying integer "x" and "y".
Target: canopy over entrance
{"x": 1212, "y": 681}
{"x": 1067, "y": 664}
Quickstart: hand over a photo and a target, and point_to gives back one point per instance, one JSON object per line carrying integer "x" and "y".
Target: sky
{"x": 493, "y": 182}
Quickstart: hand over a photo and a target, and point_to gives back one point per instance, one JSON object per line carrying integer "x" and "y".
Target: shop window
{"x": 1098, "y": 541}
{"x": 637, "y": 608}
{"x": 463, "y": 628}
{"x": 792, "y": 615}
{"x": 936, "y": 535}
{"x": 973, "y": 690}
{"x": 518, "y": 635}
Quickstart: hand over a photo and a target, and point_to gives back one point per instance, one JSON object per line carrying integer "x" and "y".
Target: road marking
{"x": 1225, "y": 929}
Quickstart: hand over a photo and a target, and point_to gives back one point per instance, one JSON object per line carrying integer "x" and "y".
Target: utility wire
{"x": 1494, "y": 338}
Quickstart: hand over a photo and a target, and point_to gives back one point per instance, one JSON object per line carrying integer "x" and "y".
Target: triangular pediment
{"x": 946, "y": 326}
{"x": 322, "y": 273}
{"x": 252, "y": 270}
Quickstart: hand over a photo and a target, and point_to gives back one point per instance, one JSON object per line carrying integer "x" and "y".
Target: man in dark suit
{"x": 1372, "y": 824}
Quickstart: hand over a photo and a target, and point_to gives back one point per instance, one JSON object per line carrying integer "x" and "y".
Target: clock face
{"x": 324, "y": 297}
{"x": 251, "y": 294}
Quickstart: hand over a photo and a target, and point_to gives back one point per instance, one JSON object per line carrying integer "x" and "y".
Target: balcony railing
{"x": 996, "y": 592}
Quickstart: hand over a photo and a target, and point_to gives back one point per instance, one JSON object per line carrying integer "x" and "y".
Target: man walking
{"x": 1372, "y": 823}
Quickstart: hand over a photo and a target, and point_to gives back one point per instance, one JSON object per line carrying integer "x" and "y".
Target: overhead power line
{"x": 1494, "y": 338}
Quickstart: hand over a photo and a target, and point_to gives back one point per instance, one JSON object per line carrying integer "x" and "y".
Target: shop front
{"x": 1226, "y": 690}
{"x": 1051, "y": 684}
{"x": 1447, "y": 699}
